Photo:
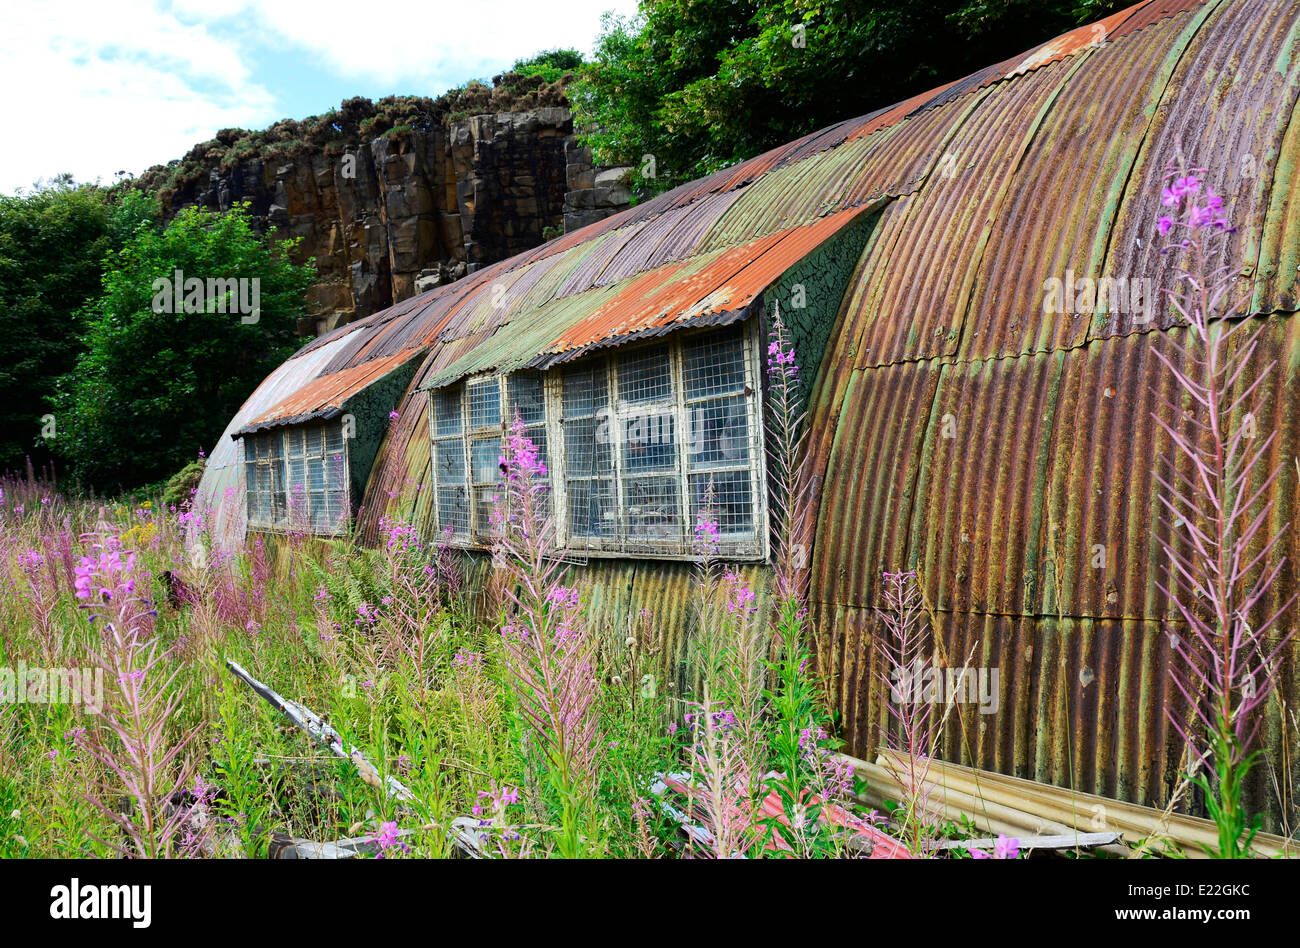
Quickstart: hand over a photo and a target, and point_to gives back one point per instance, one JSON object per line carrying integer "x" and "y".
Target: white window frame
{"x": 286, "y": 518}
{"x": 478, "y": 492}
{"x": 752, "y": 545}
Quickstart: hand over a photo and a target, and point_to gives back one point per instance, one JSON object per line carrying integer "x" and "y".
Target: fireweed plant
{"x": 550, "y": 653}
{"x": 1220, "y": 552}
{"x": 911, "y": 726}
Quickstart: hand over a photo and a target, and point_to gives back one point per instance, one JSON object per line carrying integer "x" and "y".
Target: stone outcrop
{"x": 593, "y": 193}
{"x": 415, "y": 208}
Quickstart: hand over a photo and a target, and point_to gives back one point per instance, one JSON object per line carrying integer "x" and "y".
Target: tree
{"x": 702, "y": 84}
{"x": 52, "y": 247}
{"x": 550, "y": 64}
{"x": 163, "y": 370}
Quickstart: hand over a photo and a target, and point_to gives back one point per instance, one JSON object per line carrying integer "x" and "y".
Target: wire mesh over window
{"x": 679, "y": 438}
{"x": 588, "y": 454}
{"x": 468, "y": 426}
{"x": 451, "y": 485}
{"x": 297, "y": 479}
{"x": 717, "y": 400}
{"x": 637, "y": 443}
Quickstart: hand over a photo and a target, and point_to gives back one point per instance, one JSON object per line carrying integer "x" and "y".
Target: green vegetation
{"x": 161, "y": 373}
{"x": 702, "y": 84}
{"x": 52, "y": 248}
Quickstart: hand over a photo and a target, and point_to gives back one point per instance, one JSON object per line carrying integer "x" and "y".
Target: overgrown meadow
{"x": 489, "y": 719}
{"x": 460, "y": 707}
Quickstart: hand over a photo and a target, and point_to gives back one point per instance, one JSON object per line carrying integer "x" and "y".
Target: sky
{"x": 103, "y": 87}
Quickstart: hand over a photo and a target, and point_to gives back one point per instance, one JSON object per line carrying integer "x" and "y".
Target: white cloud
{"x": 418, "y": 41}
{"x": 97, "y": 87}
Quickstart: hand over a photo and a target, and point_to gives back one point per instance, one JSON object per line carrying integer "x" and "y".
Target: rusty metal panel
{"x": 916, "y": 306}
{"x": 1152, "y": 11}
{"x": 1056, "y": 220}
{"x": 870, "y": 484}
{"x": 977, "y": 532}
{"x": 1278, "y": 270}
{"x": 792, "y": 195}
{"x": 1079, "y": 703}
{"x": 670, "y": 237}
{"x": 1101, "y": 555}
{"x": 401, "y": 480}
{"x": 328, "y": 392}
{"x": 1227, "y": 109}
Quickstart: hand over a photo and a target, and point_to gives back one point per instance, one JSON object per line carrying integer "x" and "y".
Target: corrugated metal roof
{"x": 718, "y": 286}
{"x": 326, "y": 394}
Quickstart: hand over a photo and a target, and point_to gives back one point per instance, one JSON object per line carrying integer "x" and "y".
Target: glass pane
{"x": 591, "y": 508}
{"x": 653, "y": 509}
{"x": 732, "y": 507}
{"x": 453, "y": 509}
{"x": 446, "y": 411}
{"x": 315, "y": 475}
{"x": 649, "y": 441}
{"x": 319, "y": 515}
{"x": 719, "y": 432}
{"x": 450, "y": 459}
{"x": 645, "y": 376}
{"x": 485, "y": 460}
{"x": 713, "y": 365}
{"x": 336, "y": 471}
{"x": 484, "y": 405}
{"x": 297, "y": 476}
{"x": 336, "y": 504}
{"x": 587, "y": 447}
{"x": 484, "y": 500}
{"x": 585, "y": 390}
{"x": 334, "y": 439}
{"x": 315, "y": 441}
{"x": 526, "y": 398}
{"x": 297, "y": 442}
{"x": 261, "y": 446}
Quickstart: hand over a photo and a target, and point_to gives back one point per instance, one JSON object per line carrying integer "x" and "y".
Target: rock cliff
{"x": 389, "y": 215}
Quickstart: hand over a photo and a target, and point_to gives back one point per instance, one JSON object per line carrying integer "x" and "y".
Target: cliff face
{"x": 414, "y": 208}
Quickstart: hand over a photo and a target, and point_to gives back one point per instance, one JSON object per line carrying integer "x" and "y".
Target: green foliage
{"x": 156, "y": 382}
{"x": 180, "y": 486}
{"x": 52, "y": 247}
{"x": 701, "y": 84}
{"x": 550, "y": 65}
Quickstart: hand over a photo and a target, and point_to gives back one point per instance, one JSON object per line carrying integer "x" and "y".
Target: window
{"x": 297, "y": 479}
{"x": 655, "y": 435}
{"x": 650, "y": 436}
{"x": 468, "y": 423}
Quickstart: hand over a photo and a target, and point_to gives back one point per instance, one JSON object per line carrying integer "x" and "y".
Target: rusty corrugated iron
{"x": 1055, "y": 222}
{"x": 1227, "y": 109}
{"x": 326, "y": 395}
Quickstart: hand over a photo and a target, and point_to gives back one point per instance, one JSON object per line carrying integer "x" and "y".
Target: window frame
{"x": 752, "y": 545}
{"x": 478, "y": 509}
{"x": 278, "y": 460}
